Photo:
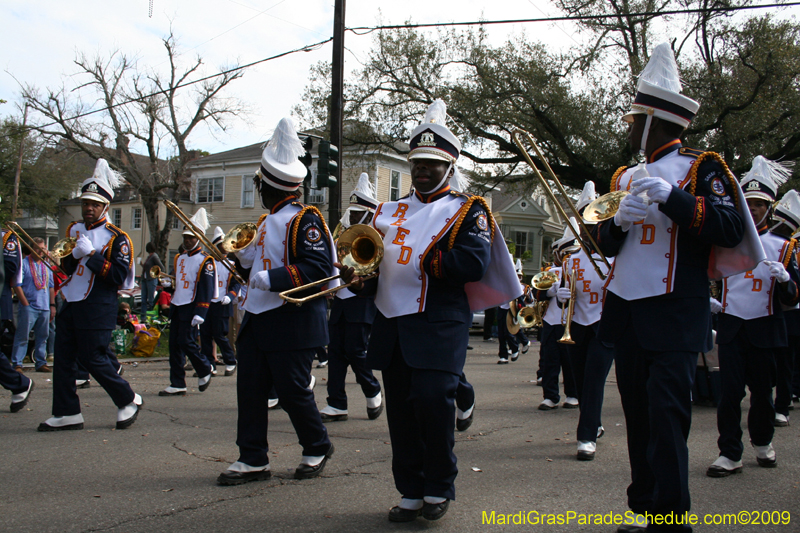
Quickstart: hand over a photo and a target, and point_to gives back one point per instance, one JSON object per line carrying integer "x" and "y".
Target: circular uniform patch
{"x": 209, "y": 267}
{"x": 718, "y": 187}
{"x": 313, "y": 235}
{"x": 483, "y": 223}
{"x": 11, "y": 246}
{"x": 124, "y": 249}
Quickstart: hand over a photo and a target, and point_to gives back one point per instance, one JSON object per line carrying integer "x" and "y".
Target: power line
{"x": 368, "y": 29}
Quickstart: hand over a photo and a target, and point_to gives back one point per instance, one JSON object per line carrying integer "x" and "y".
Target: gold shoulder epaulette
{"x": 718, "y": 158}
{"x": 615, "y": 177}
{"x": 690, "y": 152}
{"x": 299, "y": 216}
{"x": 464, "y": 210}
{"x": 790, "y": 248}
{"x": 117, "y": 233}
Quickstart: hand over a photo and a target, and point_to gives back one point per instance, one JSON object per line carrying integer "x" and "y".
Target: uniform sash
{"x": 187, "y": 273}
{"x": 589, "y": 293}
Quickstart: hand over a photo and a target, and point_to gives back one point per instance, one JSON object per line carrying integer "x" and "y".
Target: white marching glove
{"x": 260, "y": 280}
{"x": 83, "y": 247}
{"x": 656, "y": 189}
{"x": 632, "y": 209}
{"x": 777, "y": 271}
{"x": 563, "y": 294}
{"x": 247, "y": 256}
{"x": 716, "y": 307}
{"x": 551, "y": 292}
{"x": 197, "y": 320}
{"x": 225, "y": 300}
{"x": 166, "y": 284}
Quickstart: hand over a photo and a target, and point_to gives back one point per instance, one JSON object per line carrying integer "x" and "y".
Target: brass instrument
{"x": 155, "y": 273}
{"x": 544, "y": 280}
{"x": 361, "y": 247}
{"x": 64, "y": 247}
{"x": 45, "y": 257}
{"x": 604, "y": 207}
{"x": 567, "y": 337}
{"x": 238, "y": 240}
{"x": 526, "y": 317}
{"x": 337, "y": 232}
{"x": 517, "y": 136}
{"x": 512, "y": 325}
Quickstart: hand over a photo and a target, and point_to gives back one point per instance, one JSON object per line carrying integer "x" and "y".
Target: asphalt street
{"x": 160, "y": 474}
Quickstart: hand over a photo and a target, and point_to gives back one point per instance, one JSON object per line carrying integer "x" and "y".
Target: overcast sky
{"x": 41, "y": 39}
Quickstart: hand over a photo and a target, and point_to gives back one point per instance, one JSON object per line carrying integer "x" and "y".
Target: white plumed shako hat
{"x": 788, "y": 210}
{"x": 363, "y": 195}
{"x": 200, "y": 221}
{"x": 658, "y": 92}
{"x": 100, "y": 187}
{"x": 432, "y": 139}
{"x": 280, "y": 166}
{"x": 764, "y": 178}
{"x": 218, "y": 235}
{"x": 588, "y": 195}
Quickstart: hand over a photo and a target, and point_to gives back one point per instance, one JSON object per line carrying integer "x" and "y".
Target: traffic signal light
{"x": 307, "y": 159}
{"x": 327, "y": 166}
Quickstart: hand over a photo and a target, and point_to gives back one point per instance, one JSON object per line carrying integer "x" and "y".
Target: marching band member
{"x": 787, "y": 217}
{"x": 12, "y": 262}
{"x": 751, "y": 329}
{"x": 293, "y": 248}
{"x": 590, "y": 358}
{"x": 553, "y": 356}
{"x": 663, "y": 259}
{"x": 215, "y": 328}
{"x": 99, "y": 265}
{"x": 195, "y": 287}
{"x": 511, "y": 344}
{"x": 442, "y": 252}
{"x": 350, "y": 324}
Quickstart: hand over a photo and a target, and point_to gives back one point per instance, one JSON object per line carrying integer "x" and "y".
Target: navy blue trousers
{"x": 553, "y": 360}
{"x": 590, "y": 361}
{"x": 10, "y": 379}
{"x": 656, "y": 393}
{"x": 421, "y": 412}
{"x": 89, "y": 347}
{"x": 289, "y": 372}
{"x": 82, "y": 373}
{"x": 742, "y": 364}
{"x": 348, "y": 347}
{"x": 215, "y": 329}
{"x": 465, "y": 394}
{"x": 182, "y": 344}
{"x": 785, "y": 363}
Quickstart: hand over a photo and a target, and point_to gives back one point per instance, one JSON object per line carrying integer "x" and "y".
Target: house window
{"x": 116, "y": 217}
{"x": 136, "y": 218}
{"x": 247, "y": 191}
{"x": 521, "y": 243}
{"x": 210, "y": 190}
{"x": 394, "y": 187}
{"x": 175, "y": 223}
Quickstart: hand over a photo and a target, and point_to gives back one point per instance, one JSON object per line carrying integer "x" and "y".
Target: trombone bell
{"x": 544, "y": 280}
{"x": 526, "y": 317}
{"x": 604, "y": 207}
{"x": 239, "y": 238}
{"x": 64, "y": 247}
{"x": 361, "y": 248}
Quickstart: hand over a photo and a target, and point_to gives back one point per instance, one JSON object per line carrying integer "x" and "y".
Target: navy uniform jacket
{"x": 766, "y": 331}
{"x": 353, "y": 310}
{"x": 99, "y": 309}
{"x": 680, "y": 320}
{"x": 12, "y": 260}
{"x": 290, "y": 327}
{"x": 203, "y": 292}
{"x": 436, "y": 339}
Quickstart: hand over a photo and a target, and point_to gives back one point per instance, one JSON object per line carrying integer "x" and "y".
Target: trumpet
{"x": 155, "y": 273}
{"x": 517, "y": 135}
{"x": 360, "y": 247}
{"x": 567, "y": 337}
{"x": 45, "y": 256}
{"x": 239, "y": 238}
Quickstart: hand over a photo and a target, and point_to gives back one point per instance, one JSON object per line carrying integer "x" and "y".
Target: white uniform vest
{"x": 187, "y": 273}
{"x": 410, "y": 228}
{"x": 223, "y": 275}
{"x": 750, "y": 295}
{"x": 553, "y": 315}
{"x": 589, "y": 292}
{"x": 80, "y": 283}
{"x": 649, "y": 253}
{"x": 271, "y": 250}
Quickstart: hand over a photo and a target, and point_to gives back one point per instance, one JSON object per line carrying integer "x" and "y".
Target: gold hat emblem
{"x": 92, "y": 187}
{"x": 426, "y": 139}
{"x": 753, "y": 186}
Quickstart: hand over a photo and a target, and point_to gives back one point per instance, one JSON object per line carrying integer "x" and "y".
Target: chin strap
{"x": 758, "y": 224}
{"x": 444, "y": 179}
{"x": 646, "y": 132}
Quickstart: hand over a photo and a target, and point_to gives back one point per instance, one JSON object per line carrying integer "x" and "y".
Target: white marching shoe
{"x": 765, "y": 455}
{"x": 586, "y": 449}
{"x": 62, "y": 423}
{"x": 724, "y": 467}
{"x": 127, "y": 415}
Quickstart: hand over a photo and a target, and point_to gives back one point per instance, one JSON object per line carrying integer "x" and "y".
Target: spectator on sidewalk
{"x": 149, "y": 283}
{"x": 37, "y": 308}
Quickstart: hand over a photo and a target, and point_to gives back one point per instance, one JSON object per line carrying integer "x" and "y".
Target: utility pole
{"x": 19, "y": 164}
{"x": 337, "y": 108}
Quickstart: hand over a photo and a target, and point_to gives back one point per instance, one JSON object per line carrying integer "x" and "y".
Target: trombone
{"x": 517, "y": 136}
{"x": 567, "y": 337}
{"x": 155, "y": 273}
{"x": 239, "y": 238}
{"x": 359, "y": 246}
{"x": 31, "y": 245}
